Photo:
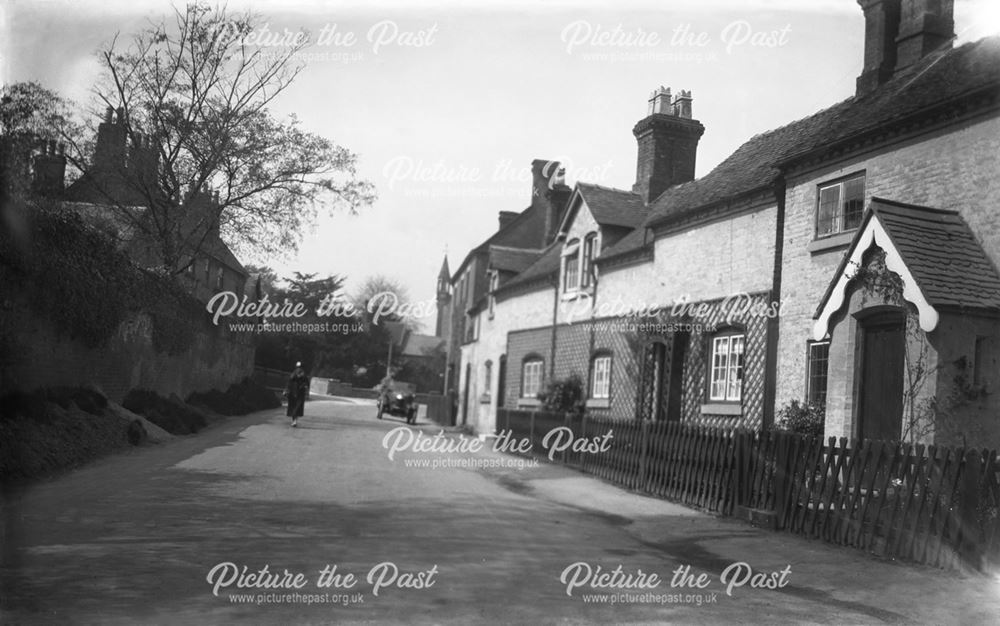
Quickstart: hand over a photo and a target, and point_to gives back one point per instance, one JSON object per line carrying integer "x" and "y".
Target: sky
{"x": 447, "y": 103}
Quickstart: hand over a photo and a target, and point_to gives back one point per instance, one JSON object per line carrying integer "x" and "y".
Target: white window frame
{"x": 839, "y": 215}
{"x": 600, "y": 379}
{"x": 726, "y": 364}
{"x": 587, "y": 257}
{"x": 571, "y": 266}
{"x": 531, "y": 377}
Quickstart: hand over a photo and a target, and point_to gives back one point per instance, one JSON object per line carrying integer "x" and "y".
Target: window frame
{"x": 728, "y": 335}
{"x": 539, "y": 379}
{"x": 587, "y": 256}
{"x": 487, "y": 381}
{"x": 571, "y": 259}
{"x": 840, "y": 213}
{"x": 601, "y": 357}
{"x": 810, "y": 377}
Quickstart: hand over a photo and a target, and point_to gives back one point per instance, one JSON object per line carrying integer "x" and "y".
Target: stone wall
{"x": 36, "y": 356}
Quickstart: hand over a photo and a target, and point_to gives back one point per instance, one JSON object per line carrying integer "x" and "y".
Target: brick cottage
{"x": 846, "y": 259}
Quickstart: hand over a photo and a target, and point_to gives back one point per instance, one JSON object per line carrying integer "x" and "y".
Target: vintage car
{"x": 399, "y": 400}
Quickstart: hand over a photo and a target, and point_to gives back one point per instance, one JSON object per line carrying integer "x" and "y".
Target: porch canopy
{"x": 936, "y": 254}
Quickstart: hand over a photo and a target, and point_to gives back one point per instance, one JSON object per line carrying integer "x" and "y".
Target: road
{"x": 162, "y": 534}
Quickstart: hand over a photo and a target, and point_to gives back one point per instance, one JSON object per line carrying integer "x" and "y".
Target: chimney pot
{"x": 682, "y": 104}
{"x": 121, "y": 115}
{"x": 108, "y": 112}
{"x": 660, "y": 102}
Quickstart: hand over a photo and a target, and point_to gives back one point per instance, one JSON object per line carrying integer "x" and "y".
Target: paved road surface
{"x": 134, "y": 538}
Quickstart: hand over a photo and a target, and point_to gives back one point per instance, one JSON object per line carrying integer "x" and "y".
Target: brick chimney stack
{"x": 109, "y": 153}
{"x": 549, "y": 194}
{"x": 924, "y": 26}
{"x": 506, "y": 217}
{"x": 668, "y": 144}
{"x": 50, "y": 169}
{"x": 881, "y": 26}
{"x": 898, "y": 33}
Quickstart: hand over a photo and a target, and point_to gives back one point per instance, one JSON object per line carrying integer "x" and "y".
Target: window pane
{"x": 828, "y": 218}
{"x": 589, "y": 249}
{"x": 532, "y": 377}
{"x": 854, "y": 202}
{"x": 572, "y": 272}
{"x": 735, "y": 375}
{"x": 601, "y": 386}
{"x": 720, "y": 365}
{"x": 818, "y": 367}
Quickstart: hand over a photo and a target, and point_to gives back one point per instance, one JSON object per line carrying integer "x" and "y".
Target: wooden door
{"x": 880, "y": 408}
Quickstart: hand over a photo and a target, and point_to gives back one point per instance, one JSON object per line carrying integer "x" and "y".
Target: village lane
{"x": 161, "y": 534}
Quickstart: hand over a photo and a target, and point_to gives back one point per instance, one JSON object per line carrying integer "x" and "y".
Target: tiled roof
{"x": 629, "y": 243}
{"x": 527, "y": 230}
{"x": 546, "y": 264}
{"x": 614, "y": 207}
{"x": 936, "y": 80}
{"x": 512, "y": 259}
{"x": 221, "y": 252}
{"x": 947, "y": 262}
{"x": 107, "y": 216}
{"x": 937, "y": 248}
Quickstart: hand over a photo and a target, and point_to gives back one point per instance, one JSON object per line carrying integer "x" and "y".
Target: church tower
{"x": 443, "y": 299}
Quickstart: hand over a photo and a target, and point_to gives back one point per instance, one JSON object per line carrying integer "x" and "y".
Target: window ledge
{"x": 722, "y": 408}
{"x": 598, "y": 403}
{"x": 484, "y": 399}
{"x": 831, "y": 243}
{"x": 577, "y": 293}
{"x": 528, "y": 402}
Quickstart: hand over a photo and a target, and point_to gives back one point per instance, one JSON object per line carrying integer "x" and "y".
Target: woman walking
{"x": 298, "y": 387}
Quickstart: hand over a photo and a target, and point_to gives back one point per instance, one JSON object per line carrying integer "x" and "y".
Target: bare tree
{"x": 193, "y": 98}
{"x": 383, "y": 294}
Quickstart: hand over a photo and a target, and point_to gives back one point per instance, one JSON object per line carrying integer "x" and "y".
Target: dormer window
{"x": 578, "y": 263}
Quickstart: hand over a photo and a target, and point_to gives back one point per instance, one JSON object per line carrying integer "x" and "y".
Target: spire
{"x": 444, "y": 273}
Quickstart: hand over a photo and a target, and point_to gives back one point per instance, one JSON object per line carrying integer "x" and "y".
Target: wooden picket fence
{"x": 934, "y": 505}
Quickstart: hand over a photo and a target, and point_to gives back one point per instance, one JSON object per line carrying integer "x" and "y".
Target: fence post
{"x": 531, "y": 431}
{"x": 968, "y": 501}
{"x": 738, "y": 478}
{"x": 641, "y": 482}
{"x": 781, "y": 482}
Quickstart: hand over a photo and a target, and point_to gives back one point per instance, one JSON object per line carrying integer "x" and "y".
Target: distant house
{"x": 847, "y": 259}
{"x": 520, "y": 238}
{"x": 113, "y": 194}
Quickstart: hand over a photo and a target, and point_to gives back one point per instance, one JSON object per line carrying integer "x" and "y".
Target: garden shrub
{"x": 804, "y": 418}
{"x": 564, "y": 396}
